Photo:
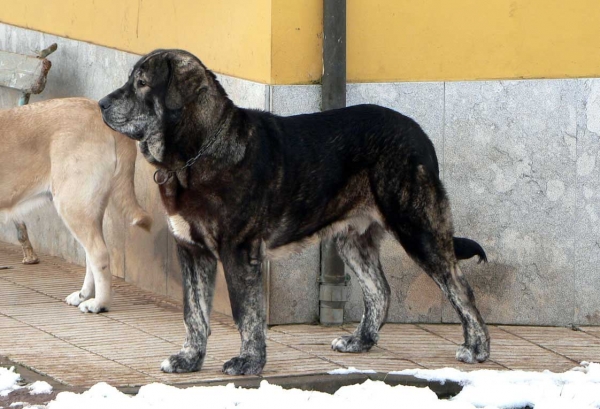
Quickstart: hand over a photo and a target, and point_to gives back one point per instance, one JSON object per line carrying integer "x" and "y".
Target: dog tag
{"x": 161, "y": 177}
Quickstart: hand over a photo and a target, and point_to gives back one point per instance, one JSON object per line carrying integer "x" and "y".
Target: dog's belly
{"x": 358, "y": 222}
{"x": 21, "y": 209}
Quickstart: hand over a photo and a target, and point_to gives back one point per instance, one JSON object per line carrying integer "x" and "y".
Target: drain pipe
{"x": 333, "y": 290}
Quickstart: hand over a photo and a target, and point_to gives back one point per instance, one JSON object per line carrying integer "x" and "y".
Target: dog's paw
{"x": 75, "y": 298}
{"x": 94, "y": 306}
{"x": 183, "y": 362}
{"x": 472, "y": 354}
{"x": 351, "y": 343}
{"x": 244, "y": 365}
{"x": 30, "y": 259}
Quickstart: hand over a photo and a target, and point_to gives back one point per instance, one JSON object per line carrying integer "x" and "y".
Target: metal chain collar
{"x": 162, "y": 176}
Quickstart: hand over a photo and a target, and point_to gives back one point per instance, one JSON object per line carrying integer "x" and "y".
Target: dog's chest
{"x": 180, "y": 228}
{"x": 191, "y": 231}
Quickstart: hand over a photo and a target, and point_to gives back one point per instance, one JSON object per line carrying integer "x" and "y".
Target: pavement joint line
{"x": 587, "y": 333}
{"x": 158, "y": 336}
{"x": 76, "y": 346}
{"x": 452, "y": 342}
{"x": 401, "y": 356}
{"x": 32, "y": 289}
{"x": 345, "y": 366}
{"x": 310, "y": 353}
{"x": 377, "y": 346}
{"x": 539, "y": 345}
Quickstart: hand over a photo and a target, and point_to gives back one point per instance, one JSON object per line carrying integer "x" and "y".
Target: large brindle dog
{"x": 242, "y": 185}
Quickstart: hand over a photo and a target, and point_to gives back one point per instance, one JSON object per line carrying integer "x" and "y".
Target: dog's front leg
{"x": 199, "y": 268}
{"x": 244, "y": 282}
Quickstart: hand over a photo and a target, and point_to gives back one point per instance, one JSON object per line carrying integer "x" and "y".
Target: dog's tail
{"x": 466, "y": 248}
{"x": 123, "y": 187}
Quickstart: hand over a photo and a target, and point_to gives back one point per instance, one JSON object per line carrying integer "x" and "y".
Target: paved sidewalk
{"x": 125, "y": 346}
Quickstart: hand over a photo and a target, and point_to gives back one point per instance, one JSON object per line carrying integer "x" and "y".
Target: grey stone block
{"x": 587, "y": 225}
{"x": 510, "y": 173}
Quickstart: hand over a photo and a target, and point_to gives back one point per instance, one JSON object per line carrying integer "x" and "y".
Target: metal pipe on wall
{"x": 333, "y": 289}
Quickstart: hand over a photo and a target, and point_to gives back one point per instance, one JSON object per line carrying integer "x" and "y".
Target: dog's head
{"x": 159, "y": 88}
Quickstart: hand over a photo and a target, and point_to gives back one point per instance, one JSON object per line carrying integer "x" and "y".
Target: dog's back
{"x": 45, "y": 145}
{"x": 35, "y": 137}
{"x": 350, "y": 149}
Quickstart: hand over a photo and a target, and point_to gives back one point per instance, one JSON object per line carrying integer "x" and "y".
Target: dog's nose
{"x": 104, "y": 103}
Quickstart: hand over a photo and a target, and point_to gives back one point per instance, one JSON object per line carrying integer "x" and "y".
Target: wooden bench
{"x": 26, "y": 74}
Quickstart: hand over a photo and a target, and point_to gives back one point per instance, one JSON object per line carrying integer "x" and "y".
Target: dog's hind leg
{"x": 420, "y": 218}
{"x": 85, "y": 223}
{"x": 199, "y": 269}
{"x": 29, "y": 256}
{"x": 360, "y": 252}
{"x": 246, "y": 294}
{"x": 81, "y": 184}
{"x": 95, "y": 293}
{"x": 447, "y": 275}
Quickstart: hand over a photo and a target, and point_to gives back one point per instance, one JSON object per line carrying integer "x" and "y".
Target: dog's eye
{"x": 142, "y": 83}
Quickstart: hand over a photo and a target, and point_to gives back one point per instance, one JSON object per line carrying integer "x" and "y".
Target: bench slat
{"x": 22, "y": 72}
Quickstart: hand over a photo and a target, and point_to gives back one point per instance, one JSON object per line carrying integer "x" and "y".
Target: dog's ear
{"x": 187, "y": 78}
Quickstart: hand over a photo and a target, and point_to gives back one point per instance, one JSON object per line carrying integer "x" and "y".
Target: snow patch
{"x": 8, "y": 380}
{"x": 578, "y": 388}
{"x": 40, "y": 387}
{"x": 350, "y": 370}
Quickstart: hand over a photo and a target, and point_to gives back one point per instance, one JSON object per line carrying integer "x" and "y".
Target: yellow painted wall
{"x": 407, "y": 40}
{"x": 297, "y": 41}
{"x": 231, "y": 36}
{"x": 280, "y": 41}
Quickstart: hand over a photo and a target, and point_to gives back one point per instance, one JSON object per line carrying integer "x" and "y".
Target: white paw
{"x": 464, "y": 354}
{"x": 75, "y": 299}
{"x": 338, "y": 343}
{"x": 93, "y": 306}
{"x": 166, "y": 366}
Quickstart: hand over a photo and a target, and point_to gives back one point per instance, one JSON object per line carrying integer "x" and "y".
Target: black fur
{"x": 264, "y": 184}
{"x": 467, "y": 248}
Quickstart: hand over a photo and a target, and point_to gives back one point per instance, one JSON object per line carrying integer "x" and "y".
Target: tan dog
{"x": 61, "y": 150}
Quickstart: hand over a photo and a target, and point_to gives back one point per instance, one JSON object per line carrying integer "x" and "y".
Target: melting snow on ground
{"x": 350, "y": 370}
{"x": 575, "y": 389}
{"x": 8, "y": 380}
{"x": 39, "y": 388}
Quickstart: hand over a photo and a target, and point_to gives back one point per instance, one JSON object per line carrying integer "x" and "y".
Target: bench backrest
{"x": 23, "y": 72}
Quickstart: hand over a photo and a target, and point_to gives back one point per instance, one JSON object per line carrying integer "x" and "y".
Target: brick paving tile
{"x": 127, "y": 345}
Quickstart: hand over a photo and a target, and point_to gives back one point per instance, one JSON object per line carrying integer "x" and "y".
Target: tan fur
{"x": 61, "y": 150}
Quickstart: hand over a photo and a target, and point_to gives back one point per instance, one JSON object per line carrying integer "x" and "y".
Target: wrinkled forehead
{"x": 149, "y": 65}
{"x": 154, "y": 65}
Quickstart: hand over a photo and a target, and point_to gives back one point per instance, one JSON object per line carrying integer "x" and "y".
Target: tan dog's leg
{"x": 95, "y": 293}
{"x": 83, "y": 169}
{"x": 29, "y": 256}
